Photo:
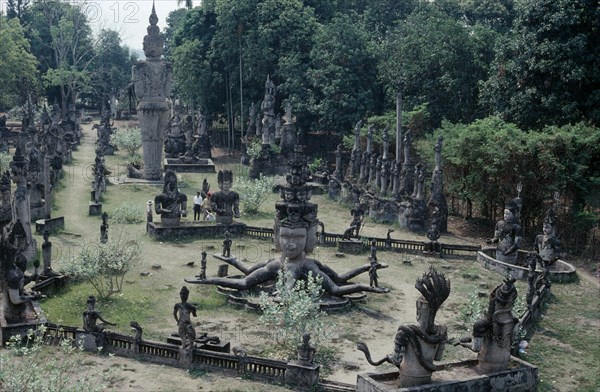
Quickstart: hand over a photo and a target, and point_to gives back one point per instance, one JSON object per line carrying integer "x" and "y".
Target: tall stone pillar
{"x": 153, "y": 80}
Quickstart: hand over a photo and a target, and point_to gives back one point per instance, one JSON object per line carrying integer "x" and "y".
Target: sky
{"x": 129, "y": 18}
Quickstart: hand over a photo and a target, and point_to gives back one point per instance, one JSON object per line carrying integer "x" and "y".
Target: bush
{"x": 130, "y": 140}
{"x": 5, "y": 159}
{"x": 297, "y": 312}
{"x": 129, "y": 213}
{"x": 103, "y": 265}
{"x": 27, "y": 366}
{"x": 252, "y": 192}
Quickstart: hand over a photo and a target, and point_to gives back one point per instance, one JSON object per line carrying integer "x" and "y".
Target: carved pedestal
{"x": 303, "y": 376}
{"x": 95, "y": 208}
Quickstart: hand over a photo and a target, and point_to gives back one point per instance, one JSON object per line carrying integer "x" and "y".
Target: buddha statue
{"x": 507, "y": 234}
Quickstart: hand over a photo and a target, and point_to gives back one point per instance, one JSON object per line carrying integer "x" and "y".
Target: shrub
{"x": 5, "y": 159}
{"x": 128, "y": 212}
{"x": 103, "y": 265}
{"x": 27, "y": 366}
{"x": 252, "y": 192}
{"x": 297, "y": 312}
{"x": 130, "y": 140}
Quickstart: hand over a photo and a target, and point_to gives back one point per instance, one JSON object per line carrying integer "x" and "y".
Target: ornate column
{"x": 355, "y": 159}
{"x": 153, "y": 80}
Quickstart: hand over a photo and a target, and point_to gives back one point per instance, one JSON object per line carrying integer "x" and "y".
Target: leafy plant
{"x": 130, "y": 140}
{"x": 473, "y": 309}
{"x": 27, "y": 366}
{"x": 315, "y": 165}
{"x": 5, "y": 159}
{"x": 296, "y": 312}
{"x": 128, "y": 212}
{"x": 252, "y": 192}
{"x": 104, "y": 265}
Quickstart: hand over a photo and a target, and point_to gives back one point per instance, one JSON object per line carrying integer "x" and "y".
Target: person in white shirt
{"x": 197, "y": 206}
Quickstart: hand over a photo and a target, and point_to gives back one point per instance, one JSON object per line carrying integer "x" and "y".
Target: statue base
{"x": 202, "y": 229}
{"x": 199, "y": 165}
{"x": 303, "y": 376}
{"x": 52, "y": 225}
{"x": 95, "y": 209}
{"x": 457, "y": 376}
{"x": 353, "y": 247}
{"x": 32, "y": 318}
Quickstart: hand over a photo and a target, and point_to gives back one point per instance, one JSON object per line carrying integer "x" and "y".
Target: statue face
{"x": 548, "y": 229}
{"x": 422, "y": 313}
{"x": 226, "y": 185}
{"x": 508, "y": 215}
{"x": 292, "y": 241}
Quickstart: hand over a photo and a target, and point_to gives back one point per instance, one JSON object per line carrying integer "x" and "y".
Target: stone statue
{"x": 171, "y": 204}
{"x": 493, "y": 335}
{"x": 358, "y": 216}
{"x": 91, "y": 317}
{"x": 149, "y": 217}
{"x": 507, "y": 234}
{"x": 306, "y": 351}
{"x": 547, "y": 245}
{"x": 153, "y": 80}
{"x": 268, "y": 109}
{"x": 295, "y": 230}
{"x": 373, "y": 250}
{"x": 47, "y": 255}
{"x": 417, "y": 346}
{"x": 225, "y": 203}
{"x": 182, "y": 313}
{"x": 373, "y": 277}
{"x": 388, "y": 239}
{"x": 175, "y": 141}
{"x": 202, "y": 274}
{"x": 227, "y": 245}
{"x": 104, "y": 229}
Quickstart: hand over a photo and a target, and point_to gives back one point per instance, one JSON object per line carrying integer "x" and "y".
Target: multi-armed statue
{"x": 295, "y": 232}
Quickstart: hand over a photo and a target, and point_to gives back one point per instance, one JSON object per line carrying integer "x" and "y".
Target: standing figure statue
{"x": 202, "y": 274}
{"x": 417, "y": 346}
{"x": 227, "y": 245}
{"x": 47, "y": 255}
{"x": 104, "y": 229}
{"x": 182, "y": 313}
{"x": 493, "y": 335}
{"x": 225, "y": 203}
{"x": 508, "y": 234}
{"x": 171, "y": 204}
{"x": 547, "y": 245}
{"x": 358, "y": 214}
{"x": 91, "y": 317}
{"x": 374, "y": 250}
{"x": 373, "y": 277}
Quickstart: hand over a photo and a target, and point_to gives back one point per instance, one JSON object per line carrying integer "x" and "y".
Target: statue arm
{"x": 175, "y": 311}
{"x": 236, "y": 207}
{"x": 103, "y": 320}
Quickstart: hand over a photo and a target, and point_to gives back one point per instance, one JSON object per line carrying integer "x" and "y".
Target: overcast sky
{"x": 129, "y": 18}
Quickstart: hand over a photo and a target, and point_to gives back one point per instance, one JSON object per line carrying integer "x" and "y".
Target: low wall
{"x": 560, "y": 272}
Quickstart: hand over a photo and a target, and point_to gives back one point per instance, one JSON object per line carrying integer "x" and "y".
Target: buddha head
{"x": 225, "y": 179}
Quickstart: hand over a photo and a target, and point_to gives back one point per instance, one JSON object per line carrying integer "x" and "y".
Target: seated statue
{"x": 171, "y": 204}
{"x": 306, "y": 351}
{"x": 417, "y": 346}
{"x": 91, "y": 317}
{"x": 183, "y": 312}
{"x": 493, "y": 335}
{"x": 295, "y": 234}
{"x": 508, "y": 234}
{"x": 225, "y": 203}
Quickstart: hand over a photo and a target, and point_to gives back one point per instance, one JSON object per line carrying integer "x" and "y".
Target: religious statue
{"x": 225, "y": 203}
{"x": 227, "y": 245}
{"x": 358, "y": 214}
{"x": 171, "y": 204}
{"x": 547, "y": 245}
{"x": 295, "y": 233}
{"x": 373, "y": 277}
{"x": 175, "y": 141}
{"x": 373, "y": 250}
{"x": 182, "y": 313}
{"x": 202, "y": 274}
{"x": 417, "y": 346}
{"x": 493, "y": 335}
{"x": 508, "y": 234}
{"x": 47, "y": 255}
{"x": 104, "y": 229}
{"x": 306, "y": 351}
{"x": 91, "y": 317}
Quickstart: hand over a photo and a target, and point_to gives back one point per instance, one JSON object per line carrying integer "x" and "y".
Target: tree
{"x": 430, "y": 58}
{"x": 18, "y": 70}
{"x": 341, "y": 74}
{"x": 546, "y": 72}
{"x": 16, "y": 9}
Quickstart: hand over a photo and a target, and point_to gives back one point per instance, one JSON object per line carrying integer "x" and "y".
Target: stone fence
{"x": 263, "y": 369}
